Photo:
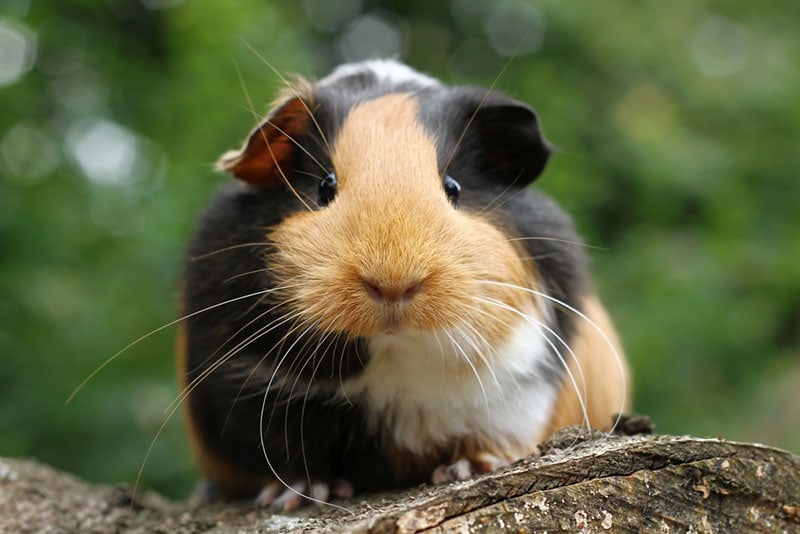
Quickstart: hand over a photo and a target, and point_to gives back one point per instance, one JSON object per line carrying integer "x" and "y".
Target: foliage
{"x": 677, "y": 127}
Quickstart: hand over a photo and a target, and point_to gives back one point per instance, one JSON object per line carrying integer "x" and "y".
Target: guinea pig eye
{"x": 452, "y": 189}
{"x": 327, "y": 189}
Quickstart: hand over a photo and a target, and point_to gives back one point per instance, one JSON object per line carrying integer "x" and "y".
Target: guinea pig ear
{"x": 267, "y": 154}
{"x": 512, "y": 146}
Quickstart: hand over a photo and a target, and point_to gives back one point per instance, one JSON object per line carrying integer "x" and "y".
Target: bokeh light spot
{"x": 371, "y": 36}
{"x": 515, "y": 29}
{"x": 104, "y": 151}
{"x": 28, "y": 153}
{"x": 17, "y": 51}
{"x": 721, "y": 47}
{"x": 331, "y": 16}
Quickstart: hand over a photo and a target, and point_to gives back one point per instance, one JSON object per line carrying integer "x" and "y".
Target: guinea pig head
{"x": 383, "y": 246}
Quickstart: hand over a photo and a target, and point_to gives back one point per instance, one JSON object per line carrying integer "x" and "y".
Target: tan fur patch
{"x": 607, "y": 379}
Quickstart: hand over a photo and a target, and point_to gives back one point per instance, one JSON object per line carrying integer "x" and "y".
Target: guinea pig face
{"x": 383, "y": 246}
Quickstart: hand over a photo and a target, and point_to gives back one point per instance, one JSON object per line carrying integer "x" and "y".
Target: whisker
{"x": 264, "y": 448}
{"x": 173, "y": 408}
{"x": 564, "y": 364}
{"x": 558, "y": 239}
{"x": 312, "y": 324}
{"x": 285, "y": 318}
{"x": 266, "y": 141}
{"x": 150, "y": 448}
{"x": 290, "y": 397}
{"x": 206, "y": 371}
{"x": 280, "y": 321}
{"x": 248, "y": 273}
{"x": 472, "y": 366}
{"x": 509, "y": 372}
{"x": 358, "y": 356}
{"x": 175, "y": 405}
{"x": 299, "y": 372}
{"x": 480, "y": 355}
{"x": 473, "y": 116}
{"x": 341, "y": 379}
{"x": 305, "y": 399}
{"x": 489, "y": 346}
{"x": 299, "y": 323}
{"x": 441, "y": 348}
{"x": 290, "y": 138}
{"x": 227, "y": 249}
{"x": 311, "y": 174}
{"x": 155, "y": 331}
{"x": 488, "y": 207}
{"x": 296, "y": 325}
{"x": 241, "y": 344}
{"x": 592, "y": 324}
{"x": 294, "y": 91}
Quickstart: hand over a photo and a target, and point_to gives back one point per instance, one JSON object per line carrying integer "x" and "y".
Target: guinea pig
{"x": 380, "y": 299}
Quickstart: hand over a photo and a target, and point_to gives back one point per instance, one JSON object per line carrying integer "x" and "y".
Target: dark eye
{"x": 327, "y": 189}
{"x": 452, "y": 189}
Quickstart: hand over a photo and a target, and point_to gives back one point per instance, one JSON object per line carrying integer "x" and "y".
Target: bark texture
{"x": 582, "y": 482}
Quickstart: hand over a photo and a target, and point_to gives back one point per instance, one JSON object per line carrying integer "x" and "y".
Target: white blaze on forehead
{"x": 420, "y": 384}
{"x": 385, "y": 69}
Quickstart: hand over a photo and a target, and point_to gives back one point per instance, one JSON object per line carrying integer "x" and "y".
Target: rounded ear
{"x": 266, "y": 157}
{"x": 512, "y": 146}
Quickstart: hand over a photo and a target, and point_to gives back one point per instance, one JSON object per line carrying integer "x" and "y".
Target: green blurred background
{"x": 678, "y": 125}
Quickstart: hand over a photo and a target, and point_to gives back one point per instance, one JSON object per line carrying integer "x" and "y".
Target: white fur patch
{"x": 385, "y": 69}
{"x": 417, "y": 387}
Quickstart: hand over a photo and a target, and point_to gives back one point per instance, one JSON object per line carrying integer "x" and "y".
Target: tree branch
{"x": 583, "y": 481}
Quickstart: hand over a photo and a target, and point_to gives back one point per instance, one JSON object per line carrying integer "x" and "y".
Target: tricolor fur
{"x": 484, "y": 336}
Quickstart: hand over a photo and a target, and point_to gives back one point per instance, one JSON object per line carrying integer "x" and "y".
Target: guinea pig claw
{"x": 319, "y": 492}
{"x": 485, "y": 462}
{"x": 280, "y": 498}
{"x": 206, "y": 492}
{"x": 342, "y": 489}
{"x": 268, "y": 494}
{"x": 461, "y": 470}
{"x": 283, "y": 499}
{"x": 466, "y": 468}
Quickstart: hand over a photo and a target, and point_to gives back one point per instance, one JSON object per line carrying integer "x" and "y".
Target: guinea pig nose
{"x": 390, "y": 293}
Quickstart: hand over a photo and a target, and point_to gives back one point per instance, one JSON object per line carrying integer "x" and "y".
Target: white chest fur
{"x": 419, "y": 389}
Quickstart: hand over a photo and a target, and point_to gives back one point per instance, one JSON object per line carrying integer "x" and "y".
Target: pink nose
{"x": 390, "y": 292}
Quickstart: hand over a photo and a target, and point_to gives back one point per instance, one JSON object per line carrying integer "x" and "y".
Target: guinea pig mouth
{"x": 391, "y": 322}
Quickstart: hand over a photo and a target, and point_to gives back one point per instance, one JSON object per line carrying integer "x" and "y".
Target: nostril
{"x": 410, "y": 291}
{"x": 390, "y": 293}
{"x": 374, "y": 289}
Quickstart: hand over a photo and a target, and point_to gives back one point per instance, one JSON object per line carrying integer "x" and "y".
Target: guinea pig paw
{"x": 206, "y": 492}
{"x": 341, "y": 488}
{"x": 466, "y": 468}
{"x": 485, "y": 462}
{"x": 282, "y": 498}
{"x": 459, "y": 470}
